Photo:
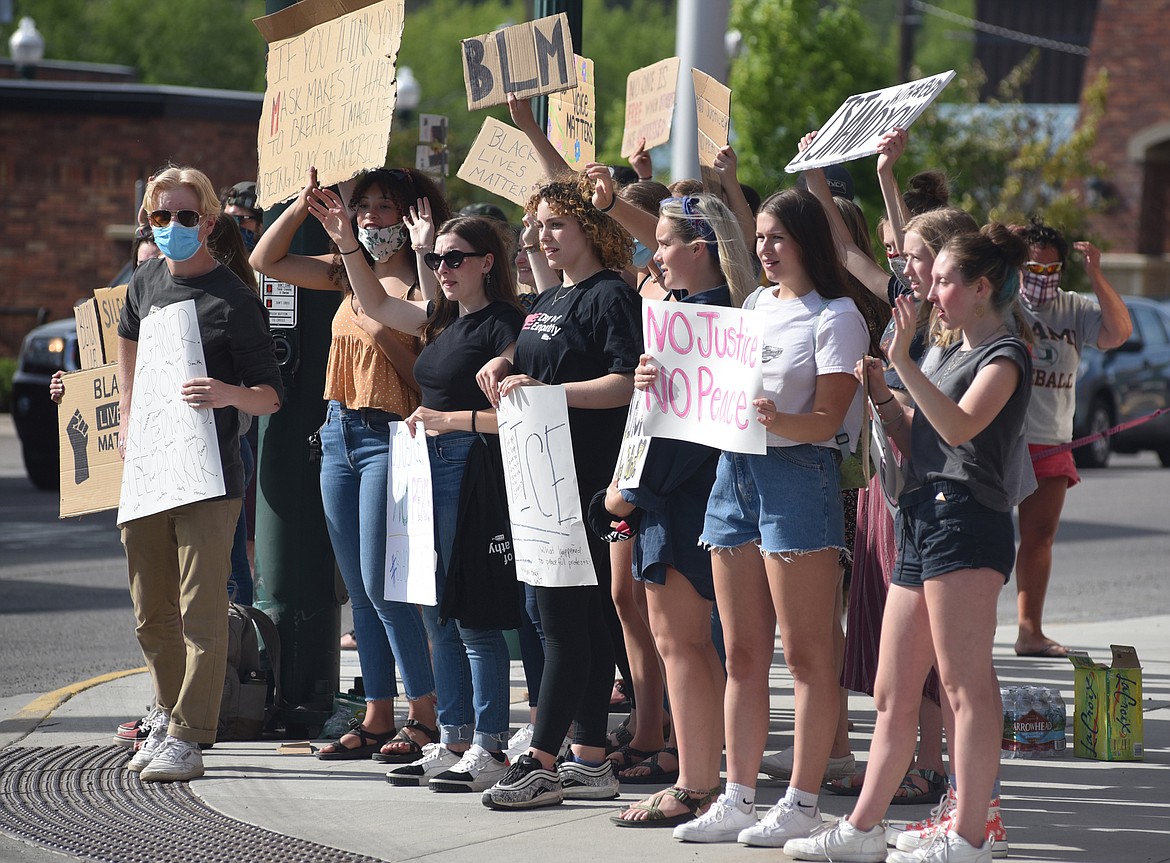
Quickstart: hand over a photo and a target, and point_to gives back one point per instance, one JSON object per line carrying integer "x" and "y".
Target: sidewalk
{"x": 1065, "y": 809}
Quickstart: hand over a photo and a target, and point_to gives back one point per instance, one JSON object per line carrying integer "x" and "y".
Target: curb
{"x": 25, "y": 721}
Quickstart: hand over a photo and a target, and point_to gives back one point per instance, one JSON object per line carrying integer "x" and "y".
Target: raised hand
{"x": 327, "y": 207}
{"x": 421, "y": 225}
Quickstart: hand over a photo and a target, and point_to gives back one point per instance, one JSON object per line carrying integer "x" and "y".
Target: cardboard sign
{"x": 91, "y": 466}
{"x": 410, "y": 519}
{"x": 544, "y": 504}
{"x": 713, "y": 110}
{"x": 502, "y": 161}
{"x": 97, "y": 326}
{"x": 529, "y": 59}
{"x": 1108, "y": 722}
{"x": 649, "y": 105}
{"x": 331, "y": 92}
{"x": 172, "y": 451}
{"x": 572, "y": 118}
{"x": 710, "y": 368}
{"x": 635, "y": 445}
{"x": 855, "y": 128}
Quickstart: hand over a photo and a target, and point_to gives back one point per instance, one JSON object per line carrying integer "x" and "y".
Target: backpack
{"x": 246, "y": 707}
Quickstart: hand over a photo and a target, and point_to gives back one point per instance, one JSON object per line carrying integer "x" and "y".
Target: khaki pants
{"x": 179, "y": 563}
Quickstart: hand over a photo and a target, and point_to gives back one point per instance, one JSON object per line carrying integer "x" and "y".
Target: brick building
{"x": 75, "y": 145}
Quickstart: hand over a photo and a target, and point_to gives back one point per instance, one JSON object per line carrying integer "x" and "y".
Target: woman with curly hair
{"x": 584, "y": 335}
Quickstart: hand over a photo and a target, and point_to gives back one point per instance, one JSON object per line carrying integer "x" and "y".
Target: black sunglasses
{"x": 162, "y": 218}
{"x": 241, "y": 219}
{"x": 453, "y": 259}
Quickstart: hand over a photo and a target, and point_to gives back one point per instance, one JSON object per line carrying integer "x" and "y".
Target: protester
{"x": 369, "y": 384}
{"x": 179, "y": 559}
{"x": 1061, "y": 322}
{"x": 956, "y": 544}
{"x": 239, "y": 202}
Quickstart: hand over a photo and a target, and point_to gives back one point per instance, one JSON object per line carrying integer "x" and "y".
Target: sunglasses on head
{"x": 1043, "y": 269}
{"x": 162, "y": 218}
{"x": 453, "y": 259}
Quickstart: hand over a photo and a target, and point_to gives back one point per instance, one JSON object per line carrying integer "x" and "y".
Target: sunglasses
{"x": 241, "y": 219}
{"x": 162, "y": 218}
{"x": 1043, "y": 269}
{"x": 453, "y": 259}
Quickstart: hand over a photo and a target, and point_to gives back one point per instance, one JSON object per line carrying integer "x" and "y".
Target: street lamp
{"x": 27, "y": 48}
{"x": 409, "y": 90}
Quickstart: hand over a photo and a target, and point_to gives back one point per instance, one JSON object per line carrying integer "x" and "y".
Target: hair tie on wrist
{"x": 612, "y": 204}
{"x": 886, "y": 402}
{"x": 473, "y": 413}
{"x": 351, "y": 251}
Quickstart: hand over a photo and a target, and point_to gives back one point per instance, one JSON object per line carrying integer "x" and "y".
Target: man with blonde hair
{"x": 179, "y": 559}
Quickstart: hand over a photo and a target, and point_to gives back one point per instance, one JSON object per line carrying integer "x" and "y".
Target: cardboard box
{"x": 1107, "y": 724}
{"x": 91, "y": 468}
{"x": 97, "y": 326}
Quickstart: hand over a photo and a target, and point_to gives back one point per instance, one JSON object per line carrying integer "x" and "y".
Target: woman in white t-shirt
{"x": 775, "y": 527}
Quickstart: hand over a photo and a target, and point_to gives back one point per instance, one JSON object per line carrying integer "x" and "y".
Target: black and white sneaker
{"x": 436, "y": 758}
{"x": 477, "y": 770}
{"x": 583, "y": 782}
{"x": 526, "y": 785}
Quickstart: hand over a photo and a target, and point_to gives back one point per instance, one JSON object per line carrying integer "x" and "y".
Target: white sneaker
{"x": 945, "y": 848}
{"x": 519, "y": 743}
{"x": 779, "y": 765}
{"x": 840, "y": 843}
{"x": 436, "y": 759}
{"x": 477, "y": 770}
{"x": 152, "y": 745}
{"x": 583, "y": 782}
{"x": 782, "y": 822}
{"x": 723, "y": 822}
{"x": 177, "y": 761}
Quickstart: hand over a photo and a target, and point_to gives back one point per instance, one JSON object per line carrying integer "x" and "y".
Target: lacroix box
{"x": 91, "y": 467}
{"x": 1107, "y": 721}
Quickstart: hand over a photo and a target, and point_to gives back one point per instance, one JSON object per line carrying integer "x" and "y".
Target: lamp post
{"x": 27, "y": 48}
{"x": 409, "y": 90}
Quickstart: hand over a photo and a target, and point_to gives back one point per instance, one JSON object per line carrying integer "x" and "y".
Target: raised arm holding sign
{"x": 649, "y": 105}
{"x": 713, "y": 112}
{"x": 503, "y": 161}
{"x": 529, "y": 59}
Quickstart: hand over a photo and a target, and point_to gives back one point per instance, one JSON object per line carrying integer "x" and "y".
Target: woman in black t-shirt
{"x": 584, "y": 334}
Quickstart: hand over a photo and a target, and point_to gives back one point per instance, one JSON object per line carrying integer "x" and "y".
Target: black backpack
{"x": 249, "y": 703}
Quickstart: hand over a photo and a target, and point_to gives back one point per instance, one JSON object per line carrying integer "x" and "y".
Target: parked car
{"x": 47, "y": 348}
{"x": 1127, "y": 383}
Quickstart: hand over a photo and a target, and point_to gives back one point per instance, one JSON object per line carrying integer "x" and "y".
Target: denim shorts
{"x": 788, "y": 500}
{"x": 941, "y": 528}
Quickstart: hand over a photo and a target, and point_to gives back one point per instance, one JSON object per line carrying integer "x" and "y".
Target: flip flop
{"x": 657, "y": 818}
{"x": 657, "y": 775}
{"x": 1049, "y": 651}
{"x": 936, "y": 786}
{"x": 370, "y": 743}
{"x": 413, "y": 752}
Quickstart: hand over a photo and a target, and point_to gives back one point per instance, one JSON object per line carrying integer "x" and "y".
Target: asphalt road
{"x": 65, "y": 610}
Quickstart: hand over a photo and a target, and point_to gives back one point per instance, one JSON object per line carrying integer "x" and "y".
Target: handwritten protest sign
{"x": 529, "y": 59}
{"x": 855, "y": 128}
{"x": 331, "y": 92}
{"x": 502, "y": 161}
{"x": 713, "y": 109}
{"x": 172, "y": 452}
{"x": 709, "y": 370}
{"x": 410, "y": 520}
{"x": 572, "y": 118}
{"x": 649, "y": 105}
{"x": 543, "y": 500}
{"x": 635, "y": 445}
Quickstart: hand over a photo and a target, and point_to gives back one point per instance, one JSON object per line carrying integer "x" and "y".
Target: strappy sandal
{"x": 658, "y": 774}
{"x": 936, "y": 786}
{"x": 657, "y": 818}
{"x": 370, "y": 743}
{"x": 628, "y": 756}
{"x": 619, "y": 737}
{"x": 413, "y": 752}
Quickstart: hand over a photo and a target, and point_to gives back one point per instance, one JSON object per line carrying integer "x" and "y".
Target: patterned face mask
{"x": 1039, "y": 290}
{"x": 383, "y": 243}
{"x": 898, "y": 270}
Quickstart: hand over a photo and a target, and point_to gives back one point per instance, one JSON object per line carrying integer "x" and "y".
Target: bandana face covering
{"x": 898, "y": 270}
{"x": 383, "y": 243}
{"x": 1039, "y": 290}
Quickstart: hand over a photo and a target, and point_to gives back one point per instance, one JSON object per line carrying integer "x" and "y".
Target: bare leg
{"x": 629, "y": 598}
{"x": 1039, "y": 520}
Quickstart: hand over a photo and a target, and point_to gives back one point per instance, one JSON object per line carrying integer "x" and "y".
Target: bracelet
{"x": 529, "y": 248}
{"x": 423, "y": 248}
{"x": 473, "y": 413}
{"x": 889, "y": 422}
{"x": 612, "y": 204}
{"x": 351, "y": 251}
{"x": 886, "y": 402}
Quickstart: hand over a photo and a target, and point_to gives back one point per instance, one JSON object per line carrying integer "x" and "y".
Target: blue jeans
{"x": 355, "y": 447}
{"x": 472, "y": 666}
{"x": 240, "y": 583}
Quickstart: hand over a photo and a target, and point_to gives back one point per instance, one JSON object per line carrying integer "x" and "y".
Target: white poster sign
{"x": 544, "y": 505}
{"x": 855, "y": 128}
{"x": 172, "y": 452}
{"x": 709, "y": 371}
{"x": 635, "y": 445}
{"x": 410, "y": 519}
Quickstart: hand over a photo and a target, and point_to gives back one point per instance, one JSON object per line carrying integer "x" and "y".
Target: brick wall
{"x": 1132, "y": 41}
{"x": 67, "y": 178}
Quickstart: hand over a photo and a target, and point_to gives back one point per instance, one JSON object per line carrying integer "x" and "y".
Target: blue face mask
{"x": 176, "y": 242}
{"x": 249, "y": 238}
{"x": 642, "y": 256}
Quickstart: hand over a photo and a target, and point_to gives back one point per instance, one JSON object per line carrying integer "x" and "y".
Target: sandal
{"x": 658, "y": 774}
{"x": 619, "y": 737}
{"x": 849, "y": 786}
{"x": 628, "y": 756}
{"x": 936, "y": 786}
{"x": 657, "y": 818}
{"x": 370, "y": 743}
{"x": 413, "y": 751}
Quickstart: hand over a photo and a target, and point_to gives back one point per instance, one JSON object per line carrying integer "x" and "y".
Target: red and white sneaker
{"x": 913, "y": 837}
{"x": 134, "y": 734}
